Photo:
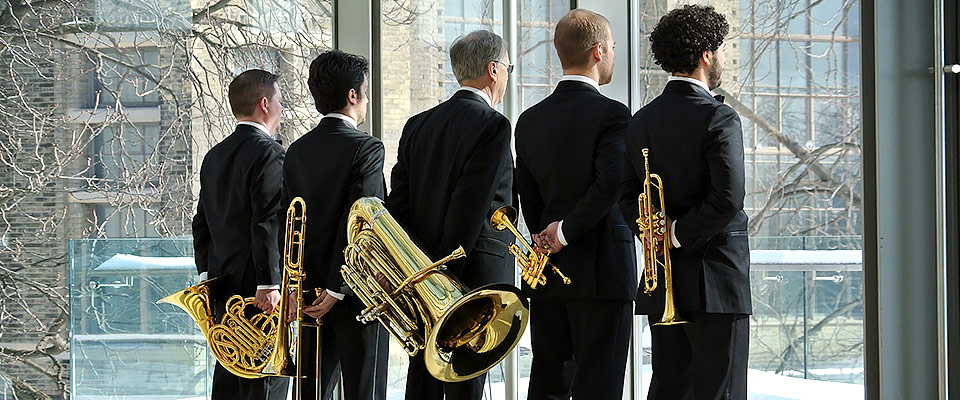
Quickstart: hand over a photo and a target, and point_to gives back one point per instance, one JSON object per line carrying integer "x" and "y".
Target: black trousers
{"x": 227, "y": 386}
{"x": 705, "y": 359}
{"x": 349, "y": 350}
{"x": 423, "y": 386}
{"x": 580, "y": 348}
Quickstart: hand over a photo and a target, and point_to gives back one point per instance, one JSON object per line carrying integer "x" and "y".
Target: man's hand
{"x": 661, "y": 239}
{"x": 321, "y": 306}
{"x": 267, "y": 300}
{"x": 292, "y": 307}
{"x": 550, "y": 239}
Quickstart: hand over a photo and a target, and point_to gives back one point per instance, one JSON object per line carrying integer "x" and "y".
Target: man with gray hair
{"x": 454, "y": 168}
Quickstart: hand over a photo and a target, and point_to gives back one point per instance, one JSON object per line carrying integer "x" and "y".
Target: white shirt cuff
{"x": 203, "y": 276}
{"x": 673, "y": 234}
{"x": 560, "y": 237}
{"x": 338, "y": 296}
{"x": 268, "y": 287}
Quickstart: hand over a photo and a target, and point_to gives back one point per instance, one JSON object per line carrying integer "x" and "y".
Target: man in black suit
{"x": 696, "y": 147}
{"x": 330, "y": 167}
{"x": 569, "y": 160}
{"x": 454, "y": 168}
{"x": 236, "y": 226}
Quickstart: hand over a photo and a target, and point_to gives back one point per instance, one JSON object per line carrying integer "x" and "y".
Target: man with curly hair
{"x": 696, "y": 146}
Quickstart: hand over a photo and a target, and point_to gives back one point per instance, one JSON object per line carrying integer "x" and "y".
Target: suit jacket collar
{"x": 335, "y": 123}
{"x": 687, "y": 87}
{"x": 575, "y": 85}
{"x": 468, "y": 95}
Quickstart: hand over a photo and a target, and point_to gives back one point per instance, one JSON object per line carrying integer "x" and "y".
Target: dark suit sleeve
{"x": 723, "y": 150}
{"x": 530, "y": 199}
{"x": 265, "y": 193}
{"x": 201, "y": 237}
{"x": 366, "y": 179}
{"x": 474, "y": 191}
{"x": 602, "y": 193}
{"x": 631, "y": 185}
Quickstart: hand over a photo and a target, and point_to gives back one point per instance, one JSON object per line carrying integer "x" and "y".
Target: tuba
{"x": 461, "y": 334}
{"x": 653, "y": 222}
{"x": 533, "y": 262}
{"x": 263, "y": 344}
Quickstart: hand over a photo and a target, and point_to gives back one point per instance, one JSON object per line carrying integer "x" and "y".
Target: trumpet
{"x": 653, "y": 222}
{"x": 533, "y": 262}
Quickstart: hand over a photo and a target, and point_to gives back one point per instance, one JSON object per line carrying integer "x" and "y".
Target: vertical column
{"x": 511, "y": 108}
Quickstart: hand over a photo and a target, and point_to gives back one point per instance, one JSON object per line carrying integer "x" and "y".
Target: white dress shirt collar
{"x": 350, "y": 121}
{"x": 256, "y": 125}
{"x": 580, "y": 78}
{"x": 479, "y": 93}
{"x": 693, "y": 81}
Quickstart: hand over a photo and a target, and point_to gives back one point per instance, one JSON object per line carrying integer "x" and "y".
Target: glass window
{"x": 112, "y": 105}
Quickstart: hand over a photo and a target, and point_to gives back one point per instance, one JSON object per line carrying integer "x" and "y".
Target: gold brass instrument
{"x": 262, "y": 344}
{"x": 533, "y": 262}
{"x": 653, "y": 222}
{"x": 462, "y": 335}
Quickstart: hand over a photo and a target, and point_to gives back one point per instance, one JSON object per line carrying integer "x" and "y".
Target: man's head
{"x": 255, "y": 96}
{"x": 691, "y": 38}
{"x": 480, "y": 59}
{"x": 338, "y": 83}
{"x": 583, "y": 41}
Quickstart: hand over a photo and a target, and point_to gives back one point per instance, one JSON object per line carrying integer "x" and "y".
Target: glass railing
{"x": 122, "y": 344}
{"x": 806, "y": 329}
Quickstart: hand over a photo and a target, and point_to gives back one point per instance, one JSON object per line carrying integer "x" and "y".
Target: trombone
{"x": 533, "y": 262}
{"x": 653, "y": 222}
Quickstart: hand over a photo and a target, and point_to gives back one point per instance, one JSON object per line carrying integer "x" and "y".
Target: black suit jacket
{"x": 569, "y": 160}
{"x": 454, "y": 168}
{"x": 235, "y": 229}
{"x": 330, "y": 167}
{"x": 696, "y": 146}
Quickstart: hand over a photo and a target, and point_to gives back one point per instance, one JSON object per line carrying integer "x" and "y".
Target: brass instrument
{"x": 653, "y": 222}
{"x": 534, "y": 261}
{"x": 262, "y": 344}
{"x": 462, "y": 335}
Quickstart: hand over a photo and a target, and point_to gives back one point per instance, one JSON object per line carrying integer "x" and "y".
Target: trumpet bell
{"x": 477, "y": 332}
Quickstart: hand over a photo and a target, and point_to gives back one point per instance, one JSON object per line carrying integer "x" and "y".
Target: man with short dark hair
{"x": 695, "y": 144}
{"x": 569, "y": 159}
{"x": 330, "y": 167}
{"x": 236, "y": 226}
{"x": 454, "y": 168}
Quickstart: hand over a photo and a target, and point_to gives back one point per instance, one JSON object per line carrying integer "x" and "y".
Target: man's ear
{"x": 598, "y": 52}
{"x": 264, "y": 104}
{"x": 352, "y": 97}
{"x": 492, "y": 69}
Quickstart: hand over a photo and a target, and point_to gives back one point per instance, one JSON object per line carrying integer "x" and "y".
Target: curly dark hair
{"x": 332, "y": 74}
{"x": 682, "y": 35}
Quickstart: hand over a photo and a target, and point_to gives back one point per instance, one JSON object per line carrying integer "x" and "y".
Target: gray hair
{"x": 470, "y": 54}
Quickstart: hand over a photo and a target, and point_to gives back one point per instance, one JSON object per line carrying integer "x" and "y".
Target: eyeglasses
{"x": 509, "y": 66}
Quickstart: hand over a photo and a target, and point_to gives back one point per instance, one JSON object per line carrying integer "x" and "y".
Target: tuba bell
{"x": 653, "y": 222}
{"x": 461, "y": 334}
{"x": 262, "y": 344}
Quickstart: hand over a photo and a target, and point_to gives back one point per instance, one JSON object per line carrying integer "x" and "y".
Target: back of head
{"x": 683, "y": 34}
{"x": 332, "y": 74}
{"x": 248, "y": 88}
{"x": 576, "y": 33}
{"x": 470, "y": 54}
